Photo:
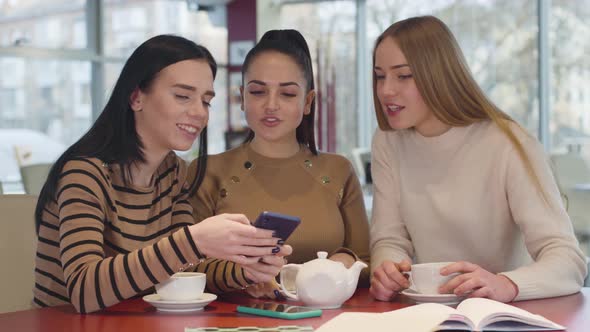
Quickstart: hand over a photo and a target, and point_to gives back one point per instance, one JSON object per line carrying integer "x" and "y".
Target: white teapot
{"x": 323, "y": 283}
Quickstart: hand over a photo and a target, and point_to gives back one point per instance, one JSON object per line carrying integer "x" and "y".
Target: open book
{"x": 476, "y": 314}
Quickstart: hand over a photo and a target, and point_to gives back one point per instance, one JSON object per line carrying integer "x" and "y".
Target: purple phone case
{"x": 282, "y": 224}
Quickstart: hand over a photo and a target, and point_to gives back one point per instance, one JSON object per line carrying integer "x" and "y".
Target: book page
{"x": 485, "y": 311}
{"x": 418, "y": 318}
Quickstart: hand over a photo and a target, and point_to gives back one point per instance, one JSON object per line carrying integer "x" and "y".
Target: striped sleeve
{"x": 223, "y": 276}
{"x": 93, "y": 280}
{"x": 182, "y": 209}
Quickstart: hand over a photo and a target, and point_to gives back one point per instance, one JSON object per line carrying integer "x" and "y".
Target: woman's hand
{"x": 270, "y": 290}
{"x": 343, "y": 258}
{"x": 474, "y": 281}
{"x": 388, "y": 279}
{"x": 231, "y": 237}
{"x": 266, "y": 268}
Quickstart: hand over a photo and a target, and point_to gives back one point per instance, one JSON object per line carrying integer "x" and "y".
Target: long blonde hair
{"x": 445, "y": 81}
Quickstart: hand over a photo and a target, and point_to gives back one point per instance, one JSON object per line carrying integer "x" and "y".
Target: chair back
{"x": 18, "y": 244}
{"x": 571, "y": 169}
{"x": 34, "y": 177}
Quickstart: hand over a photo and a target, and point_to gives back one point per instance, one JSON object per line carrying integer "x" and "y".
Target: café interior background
{"x": 59, "y": 60}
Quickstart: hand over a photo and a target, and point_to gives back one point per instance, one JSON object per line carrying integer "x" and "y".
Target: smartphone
{"x": 282, "y": 224}
{"x": 279, "y": 310}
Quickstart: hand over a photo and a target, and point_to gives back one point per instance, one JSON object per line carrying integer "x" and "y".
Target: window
{"x": 128, "y": 23}
{"x": 11, "y": 103}
{"x": 47, "y": 63}
{"x": 46, "y": 96}
{"x": 498, "y": 38}
{"x": 569, "y": 29}
{"x": 329, "y": 28}
{"x": 39, "y": 23}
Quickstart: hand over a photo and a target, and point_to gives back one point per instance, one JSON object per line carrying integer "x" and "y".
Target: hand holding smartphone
{"x": 279, "y": 310}
{"x": 282, "y": 224}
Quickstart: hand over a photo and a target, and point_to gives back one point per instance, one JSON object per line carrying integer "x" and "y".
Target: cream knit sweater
{"x": 466, "y": 195}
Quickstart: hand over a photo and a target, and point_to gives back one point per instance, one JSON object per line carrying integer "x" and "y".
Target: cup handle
{"x": 283, "y": 289}
{"x": 409, "y": 276}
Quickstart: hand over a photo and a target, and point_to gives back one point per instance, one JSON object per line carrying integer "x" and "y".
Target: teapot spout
{"x": 353, "y": 274}
{"x": 357, "y": 267}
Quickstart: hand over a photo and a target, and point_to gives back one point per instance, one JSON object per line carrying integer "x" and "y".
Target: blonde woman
{"x": 457, "y": 180}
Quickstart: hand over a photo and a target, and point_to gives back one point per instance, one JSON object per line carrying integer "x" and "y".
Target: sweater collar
{"x": 259, "y": 159}
{"x": 449, "y": 139}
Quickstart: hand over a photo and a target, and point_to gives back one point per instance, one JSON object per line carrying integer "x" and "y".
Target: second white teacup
{"x": 426, "y": 278}
{"x": 182, "y": 286}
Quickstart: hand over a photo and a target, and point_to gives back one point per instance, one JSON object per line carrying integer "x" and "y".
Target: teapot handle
{"x": 283, "y": 289}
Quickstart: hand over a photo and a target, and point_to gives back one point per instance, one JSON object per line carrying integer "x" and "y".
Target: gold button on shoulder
{"x": 325, "y": 179}
{"x": 308, "y": 163}
{"x": 223, "y": 193}
{"x": 248, "y": 165}
{"x": 235, "y": 179}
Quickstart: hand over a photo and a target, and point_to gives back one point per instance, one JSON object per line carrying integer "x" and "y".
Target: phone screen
{"x": 279, "y": 310}
{"x": 280, "y": 307}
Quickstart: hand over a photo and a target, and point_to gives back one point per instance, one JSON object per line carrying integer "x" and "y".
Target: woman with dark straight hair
{"x": 113, "y": 218}
{"x": 279, "y": 168}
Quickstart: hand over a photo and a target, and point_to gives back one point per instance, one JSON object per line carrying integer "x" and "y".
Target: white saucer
{"x": 448, "y": 299}
{"x": 179, "y": 306}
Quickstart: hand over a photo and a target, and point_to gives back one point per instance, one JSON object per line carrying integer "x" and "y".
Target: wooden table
{"x": 572, "y": 311}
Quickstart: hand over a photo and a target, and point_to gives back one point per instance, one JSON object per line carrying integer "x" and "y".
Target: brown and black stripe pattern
{"x": 101, "y": 242}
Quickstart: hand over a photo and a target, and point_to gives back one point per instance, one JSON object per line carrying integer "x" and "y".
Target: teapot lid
{"x": 322, "y": 254}
{"x": 323, "y": 265}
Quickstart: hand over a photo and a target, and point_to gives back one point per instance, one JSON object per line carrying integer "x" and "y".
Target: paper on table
{"x": 422, "y": 318}
{"x": 485, "y": 311}
{"x": 290, "y": 328}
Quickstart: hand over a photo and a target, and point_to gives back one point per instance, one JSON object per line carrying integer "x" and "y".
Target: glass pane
{"x": 44, "y": 107}
{"x": 218, "y": 114}
{"x": 112, "y": 70}
{"x": 498, "y": 39}
{"x": 46, "y": 24}
{"x": 329, "y": 29}
{"x": 128, "y": 23}
{"x": 570, "y": 76}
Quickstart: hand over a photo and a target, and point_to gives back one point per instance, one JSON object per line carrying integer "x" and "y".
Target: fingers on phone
{"x": 237, "y": 217}
{"x": 272, "y": 260}
{"x": 244, "y": 260}
{"x": 286, "y": 250}
{"x": 256, "y": 233}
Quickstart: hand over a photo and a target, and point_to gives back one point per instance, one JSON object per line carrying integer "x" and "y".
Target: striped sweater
{"x": 101, "y": 241}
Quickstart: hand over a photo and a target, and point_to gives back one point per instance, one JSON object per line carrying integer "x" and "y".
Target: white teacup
{"x": 182, "y": 286}
{"x": 426, "y": 278}
{"x": 287, "y": 278}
